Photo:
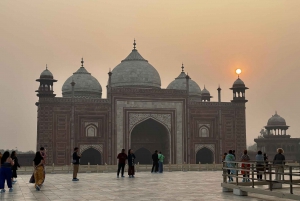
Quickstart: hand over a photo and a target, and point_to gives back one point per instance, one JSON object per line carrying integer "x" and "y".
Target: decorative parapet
{"x": 148, "y": 91}
{"x": 76, "y": 100}
{"x": 215, "y": 104}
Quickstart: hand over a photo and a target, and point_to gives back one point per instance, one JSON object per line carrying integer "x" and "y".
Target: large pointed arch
{"x": 151, "y": 135}
{"x": 204, "y": 155}
{"x": 91, "y": 156}
{"x": 210, "y": 148}
{"x": 143, "y": 156}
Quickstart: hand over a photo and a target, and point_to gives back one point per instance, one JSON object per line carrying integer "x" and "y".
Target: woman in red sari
{"x": 245, "y": 173}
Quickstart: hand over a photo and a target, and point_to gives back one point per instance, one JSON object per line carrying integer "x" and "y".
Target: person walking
{"x": 160, "y": 162}
{"x": 279, "y": 162}
{"x": 230, "y": 164}
{"x": 155, "y": 162}
{"x": 122, "y": 160}
{"x": 43, "y": 154}
{"x": 259, "y": 165}
{"x": 5, "y": 172}
{"x": 131, "y": 158}
{"x": 76, "y": 162}
{"x": 15, "y": 166}
{"x": 245, "y": 166}
{"x": 38, "y": 165}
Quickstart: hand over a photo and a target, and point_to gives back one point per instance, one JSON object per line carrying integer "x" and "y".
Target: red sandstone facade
{"x": 144, "y": 119}
{"x": 227, "y": 126}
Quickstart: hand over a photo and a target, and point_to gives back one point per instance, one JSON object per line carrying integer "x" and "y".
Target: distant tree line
{"x": 252, "y": 147}
{"x": 18, "y": 152}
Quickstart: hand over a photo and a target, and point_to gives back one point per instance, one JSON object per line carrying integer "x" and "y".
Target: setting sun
{"x": 238, "y": 71}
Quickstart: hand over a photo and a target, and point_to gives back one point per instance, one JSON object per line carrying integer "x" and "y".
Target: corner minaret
{"x": 205, "y": 95}
{"x": 238, "y": 89}
{"x": 46, "y": 84}
{"x": 219, "y": 94}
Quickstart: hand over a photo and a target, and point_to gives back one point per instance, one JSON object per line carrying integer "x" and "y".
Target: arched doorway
{"x": 143, "y": 156}
{"x": 91, "y": 156}
{"x": 148, "y": 136}
{"x": 204, "y": 156}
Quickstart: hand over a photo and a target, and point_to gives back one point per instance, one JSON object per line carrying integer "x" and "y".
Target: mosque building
{"x": 181, "y": 120}
{"x": 275, "y": 136}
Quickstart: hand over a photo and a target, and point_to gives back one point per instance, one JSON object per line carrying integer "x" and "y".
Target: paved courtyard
{"x": 146, "y": 186}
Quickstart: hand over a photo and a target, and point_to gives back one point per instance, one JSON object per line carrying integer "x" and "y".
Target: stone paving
{"x": 185, "y": 186}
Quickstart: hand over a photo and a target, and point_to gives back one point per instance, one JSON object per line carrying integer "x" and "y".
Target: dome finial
{"x": 134, "y": 44}
{"x": 182, "y": 67}
{"x": 275, "y": 112}
{"x": 82, "y": 62}
{"x": 46, "y": 67}
{"x": 204, "y": 86}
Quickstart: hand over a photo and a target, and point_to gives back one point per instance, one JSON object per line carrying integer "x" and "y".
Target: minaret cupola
{"x": 46, "y": 84}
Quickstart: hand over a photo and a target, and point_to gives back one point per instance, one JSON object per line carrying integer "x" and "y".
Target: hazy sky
{"x": 212, "y": 38}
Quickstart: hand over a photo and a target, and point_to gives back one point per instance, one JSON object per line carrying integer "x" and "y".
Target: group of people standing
{"x": 261, "y": 164}
{"x": 158, "y": 161}
{"x": 8, "y": 170}
{"x": 157, "y": 158}
{"x": 122, "y": 157}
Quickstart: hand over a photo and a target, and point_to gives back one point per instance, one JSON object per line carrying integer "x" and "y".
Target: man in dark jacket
{"x": 279, "y": 162}
{"x": 155, "y": 162}
{"x": 122, "y": 159}
{"x": 76, "y": 163}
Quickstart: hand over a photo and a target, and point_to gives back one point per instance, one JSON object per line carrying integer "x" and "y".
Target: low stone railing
{"x": 242, "y": 178}
{"x": 113, "y": 168}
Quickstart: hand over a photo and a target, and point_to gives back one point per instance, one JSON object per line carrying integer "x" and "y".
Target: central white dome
{"x": 135, "y": 71}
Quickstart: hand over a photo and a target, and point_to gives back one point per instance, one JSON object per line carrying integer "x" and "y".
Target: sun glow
{"x": 238, "y": 71}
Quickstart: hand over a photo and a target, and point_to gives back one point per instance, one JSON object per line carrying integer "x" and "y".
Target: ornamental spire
{"x": 82, "y": 62}
{"x": 46, "y": 67}
{"x": 182, "y": 67}
{"x": 134, "y": 44}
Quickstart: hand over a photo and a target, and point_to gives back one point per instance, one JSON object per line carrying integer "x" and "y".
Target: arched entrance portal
{"x": 91, "y": 156}
{"x": 204, "y": 156}
{"x": 148, "y": 136}
{"x": 143, "y": 156}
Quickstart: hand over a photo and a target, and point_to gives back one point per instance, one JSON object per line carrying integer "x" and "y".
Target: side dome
{"x": 135, "y": 71}
{"x": 86, "y": 86}
{"x": 180, "y": 84}
{"x": 205, "y": 91}
{"x": 46, "y": 74}
{"x": 238, "y": 83}
{"x": 276, "y": 120}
